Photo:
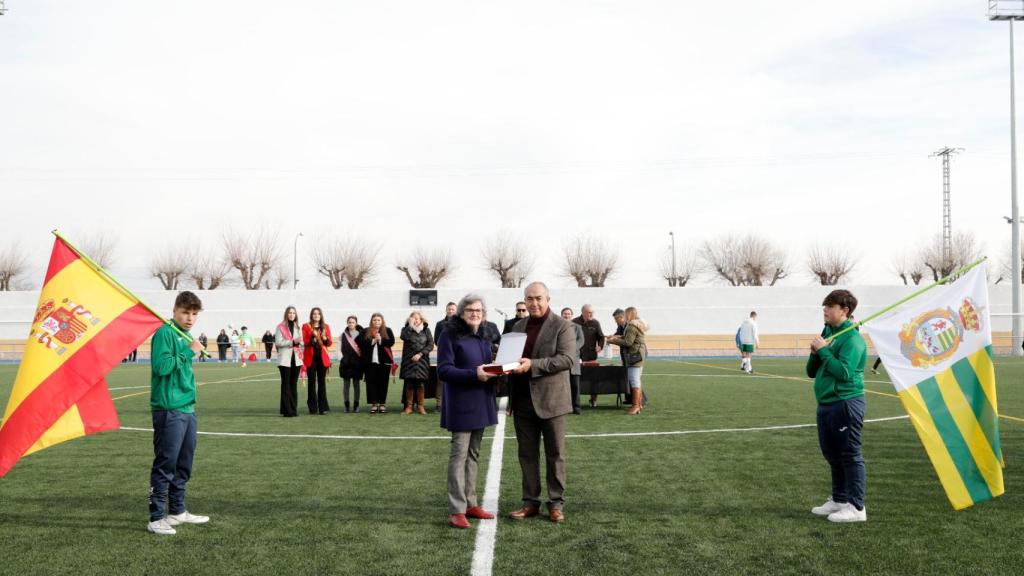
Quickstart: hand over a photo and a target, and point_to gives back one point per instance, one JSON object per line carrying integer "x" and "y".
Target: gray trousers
{"x": 462, "y": 467}
{"x": 348, "y": 383}
{"x": 530, "y": 428}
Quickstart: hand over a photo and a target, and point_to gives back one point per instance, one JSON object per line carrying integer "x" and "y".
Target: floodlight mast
{"x": 1010, "y": 10}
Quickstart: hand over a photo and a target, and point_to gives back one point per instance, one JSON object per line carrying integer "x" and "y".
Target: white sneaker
{"x": 827, "y": 508}
{"x": 186, "y": 517}
{"x": 161, "y": 527}
{"x": 849, "y": 513}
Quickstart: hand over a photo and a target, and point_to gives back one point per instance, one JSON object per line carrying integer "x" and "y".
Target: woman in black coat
{"x": 376, "y": 342}
{"x": 350, "y": 366}
{"x": 223, "y": 343}
{"x": 268, "y": 343}
{"x": 417, "y": 342}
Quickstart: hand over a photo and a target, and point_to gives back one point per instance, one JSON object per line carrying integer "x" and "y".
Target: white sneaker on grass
{"x": 186, "y": 517}
{"x": 849, "y": 513}
{"x": 827, "y": 508}
{"x": 161, "y": 527}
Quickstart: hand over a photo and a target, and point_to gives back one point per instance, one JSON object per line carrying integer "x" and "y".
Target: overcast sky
{"x": 438, "y": 123}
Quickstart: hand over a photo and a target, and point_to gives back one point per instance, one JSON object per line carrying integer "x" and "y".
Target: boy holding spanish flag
{"x": 172, "y": 400}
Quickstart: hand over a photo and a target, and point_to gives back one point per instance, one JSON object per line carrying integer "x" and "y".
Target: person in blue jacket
{"x": 469, "y": 403}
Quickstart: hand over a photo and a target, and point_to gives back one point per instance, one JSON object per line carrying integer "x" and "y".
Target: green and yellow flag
{"x": 938, "y": 353}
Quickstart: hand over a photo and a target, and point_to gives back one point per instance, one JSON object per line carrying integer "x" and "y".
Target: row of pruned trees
{"x": 928, "y": 261}
{"x": 260, "y": 259}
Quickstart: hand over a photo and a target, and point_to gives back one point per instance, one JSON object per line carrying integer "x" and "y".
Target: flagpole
{"x": 99, "y": 270}
{"x": 954, "y": 275}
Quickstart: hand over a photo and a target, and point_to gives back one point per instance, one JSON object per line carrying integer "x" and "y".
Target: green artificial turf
{"x": 709, "y": 502}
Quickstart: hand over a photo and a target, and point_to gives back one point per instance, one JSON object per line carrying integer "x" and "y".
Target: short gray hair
{"x": 467, "y": 300}
{"x": 538, "y": 283}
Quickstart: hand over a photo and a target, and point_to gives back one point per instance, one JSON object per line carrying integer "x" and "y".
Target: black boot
{"x": 347, "y": 407}
{"x": 355, "y": 406}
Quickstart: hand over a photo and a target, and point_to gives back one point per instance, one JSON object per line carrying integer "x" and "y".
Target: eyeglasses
{"x": 520, "y": 309}
{"x": 473, "y": 310}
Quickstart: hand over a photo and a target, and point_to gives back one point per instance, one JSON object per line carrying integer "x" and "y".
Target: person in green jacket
{"x": 246, "y": 342}
{"x": 172, "y": 399}
{"x": 838, "y": 372}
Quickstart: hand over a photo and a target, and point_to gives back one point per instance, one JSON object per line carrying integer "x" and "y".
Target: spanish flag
{"x": 83, "y": 326}
{"x": 938, "y": 354}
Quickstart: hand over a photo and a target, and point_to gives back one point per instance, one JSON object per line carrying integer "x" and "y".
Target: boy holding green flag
{"x": 838, "y": 371}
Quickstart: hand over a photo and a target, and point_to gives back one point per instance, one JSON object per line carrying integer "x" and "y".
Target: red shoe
{"x": 480, "y": 513}
{"x": 458, "y": 521}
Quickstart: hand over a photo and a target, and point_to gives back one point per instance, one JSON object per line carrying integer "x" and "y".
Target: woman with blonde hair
{"x": 634, "y": 351}
{"x": 417, "y": 342}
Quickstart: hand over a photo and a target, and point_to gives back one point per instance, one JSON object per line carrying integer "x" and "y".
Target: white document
{"x": 509, "y": 353}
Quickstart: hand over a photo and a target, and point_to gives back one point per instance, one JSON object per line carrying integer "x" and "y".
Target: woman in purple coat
{"x": 468, "y": 406}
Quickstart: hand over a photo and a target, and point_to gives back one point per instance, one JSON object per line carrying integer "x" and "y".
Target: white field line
{"x": 487, "y": 531}
{"x": 500, "y": 430}
{"x": 308, "y": 436}
{"x": 747, "y": 376}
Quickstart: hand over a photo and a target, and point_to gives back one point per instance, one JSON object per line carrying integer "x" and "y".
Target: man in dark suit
{"x": 540, "y": 401}
{"x": 593, "y": 339}
{"x": 520, "y": 314}
{"x": 449, "y": 311}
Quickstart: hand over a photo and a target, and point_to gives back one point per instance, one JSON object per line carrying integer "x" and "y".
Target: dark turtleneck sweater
{"x": 521, "y": 382}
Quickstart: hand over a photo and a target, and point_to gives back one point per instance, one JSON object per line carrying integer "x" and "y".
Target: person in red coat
{"x": 316, "y": 340}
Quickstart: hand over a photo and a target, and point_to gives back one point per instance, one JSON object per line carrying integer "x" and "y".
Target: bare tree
{"x": 350, "y": 262}
{"x": 278, "y": 278}
{"x": 1006, "y": 268}
{"x": 329, "y": 259}
{"x": 723, "y": 256}
{"x": 360, "y": 262}
{"x": 965, "y": 249}
{"x": 101, "y": 246}
{"x": 745, "y": 260}
{"x": 254, "y": 255}
{"x": 429, "y": 267}
{"x": 13, "y": 263}
{"x": 908, "y": 267}
{"x": 207, "y": 270}
{"x": 508, "y": 258}
{"x": 830, "y": 264}
{"x": 685, "y": 268}
{"x": 170, "y": 265}
{"x": 589, "y": 261}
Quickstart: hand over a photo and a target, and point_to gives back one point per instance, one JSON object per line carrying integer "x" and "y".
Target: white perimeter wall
{"x": 670, "y": 311}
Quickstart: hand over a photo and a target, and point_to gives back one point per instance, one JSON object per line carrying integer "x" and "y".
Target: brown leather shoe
{"x": 525, "y": 512}
{"x": 556, "y": 516}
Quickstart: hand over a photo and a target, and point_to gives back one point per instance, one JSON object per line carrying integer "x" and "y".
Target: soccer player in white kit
{"x": 748, "y": 342}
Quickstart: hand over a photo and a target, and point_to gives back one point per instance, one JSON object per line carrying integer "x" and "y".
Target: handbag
{"x": 634, "y": 358}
